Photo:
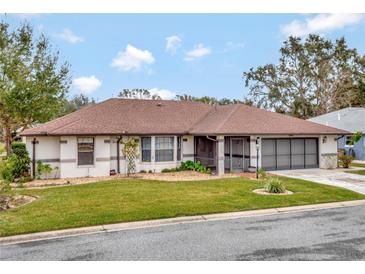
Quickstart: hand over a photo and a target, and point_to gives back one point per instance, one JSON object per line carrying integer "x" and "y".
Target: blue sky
{"x": 197, "y": 54}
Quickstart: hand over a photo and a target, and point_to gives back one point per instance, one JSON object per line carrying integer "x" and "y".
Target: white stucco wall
{"x": 68, "y": 158}
{"x": 188, "y": 148}
{"x": 328, "y": 151}
{"x": 61, "y": 152}
{"x": 48, "y": 151}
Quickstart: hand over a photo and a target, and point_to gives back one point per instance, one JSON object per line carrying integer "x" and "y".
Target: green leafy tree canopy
{"x": 33, "y": 84}
{"x": 312, "y": 77}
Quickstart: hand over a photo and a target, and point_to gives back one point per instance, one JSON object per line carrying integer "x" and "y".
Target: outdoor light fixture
{"x": 324, "y": 140}
{"x": 257, "y": 156}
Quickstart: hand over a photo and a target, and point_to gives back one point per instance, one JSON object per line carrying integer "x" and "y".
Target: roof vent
{"x": 339, "y": 116}
{"x": 159, "y": 104}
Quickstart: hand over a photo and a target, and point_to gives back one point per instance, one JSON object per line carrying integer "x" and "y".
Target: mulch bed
{"x": 8, "y": 202}
{"x": 251, "y": 175}
{"x": 170, "y": 176}
{"x": 263, "y": 191}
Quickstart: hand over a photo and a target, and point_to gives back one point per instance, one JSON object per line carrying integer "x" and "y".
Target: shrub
{"x": 19, "y": 149}
{"x": 15, "y": 168}
{"x": 150, "y": 171}
{"x": 188, "y": 165}
{"x": 262, "y": 173}
{"x": 25, "y": 179}
{"x": 43, "y": 169}
{"x": 167, "y": 170}
{"x": 345, "y": 160}
{"x": 18, "y": 163}
{"x": 274, "y": 185}
{"x": 7, "y": 169}
{"x": 196, "y": 166}
{"x": 142, "y": 171}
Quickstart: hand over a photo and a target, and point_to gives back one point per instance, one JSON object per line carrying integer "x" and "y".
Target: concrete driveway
{"x": 333, "y": 177}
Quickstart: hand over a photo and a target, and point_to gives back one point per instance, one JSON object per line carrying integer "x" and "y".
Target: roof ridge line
{"x": 58, "y": 128}
{"x": 202, "y": 118}
{"x": 228, "y": 116}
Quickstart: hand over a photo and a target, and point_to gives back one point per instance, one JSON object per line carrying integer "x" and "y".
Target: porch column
{"x": 253, "y": 151}
{"x": 220, "y": 155}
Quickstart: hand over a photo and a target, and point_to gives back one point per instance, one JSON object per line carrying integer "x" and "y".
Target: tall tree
{"x": 32, "y": 83}
{"x": 138, "y": 93}
{"x": 210, "y": 100}
{"x": 313, "y": 76}
{"x": 77, "y": 102}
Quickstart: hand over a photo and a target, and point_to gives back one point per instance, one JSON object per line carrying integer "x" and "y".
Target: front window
{"x": 164, "y": 149}
{"x": 146, "y": 149}
{"x": 85, "y": 151}
{"x": 348, "y": 141}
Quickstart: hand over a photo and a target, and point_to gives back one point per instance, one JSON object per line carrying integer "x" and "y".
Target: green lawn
{"x": 358, "y": 165}
{"x": 132, "y": 200}
{"x": 360, "y": 172}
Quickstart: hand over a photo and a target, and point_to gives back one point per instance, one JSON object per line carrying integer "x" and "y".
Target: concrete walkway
{"x": 333, "y": 177}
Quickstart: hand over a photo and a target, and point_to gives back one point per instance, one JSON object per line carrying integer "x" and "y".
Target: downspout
{"x": 118, "y": 154}
{"x": 34, "y": 142}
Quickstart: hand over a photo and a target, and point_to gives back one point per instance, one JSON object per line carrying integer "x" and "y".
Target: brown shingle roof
{"x": 128, "y": 116}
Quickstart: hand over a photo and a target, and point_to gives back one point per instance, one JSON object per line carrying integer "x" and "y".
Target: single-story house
{"x": 224, "y": 138}
{"x": 351, "y": 119}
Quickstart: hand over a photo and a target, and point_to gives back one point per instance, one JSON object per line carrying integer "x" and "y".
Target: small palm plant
{"x": 43, "y": 169}
{"x": 274, "y": 185}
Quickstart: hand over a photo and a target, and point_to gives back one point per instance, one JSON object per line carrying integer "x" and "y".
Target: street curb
{"x": 39, "y": 236}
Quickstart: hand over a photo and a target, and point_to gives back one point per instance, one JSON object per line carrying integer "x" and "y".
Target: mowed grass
{"x": 133, "y": 200}
{"x": 357, "y": 165}
{"x": 359, "y": 172}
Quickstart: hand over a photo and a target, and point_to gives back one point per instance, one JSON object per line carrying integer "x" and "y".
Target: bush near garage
{"x": 345, "y": 160}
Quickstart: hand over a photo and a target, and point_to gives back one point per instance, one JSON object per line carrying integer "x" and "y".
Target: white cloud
{"x": 230, "y": 46}
{"x": 68, "y": 36}
{"x": 87, "y": 84}
{"x": 199, "y": 51}
{"x": 321, "y": 23}
{"x": 172, "y": 44}
{"x": 132, "y": 58}
{"x": 163, "y": 93}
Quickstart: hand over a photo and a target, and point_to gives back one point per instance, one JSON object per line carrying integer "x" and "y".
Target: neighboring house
{"x": 224, "y": 138}
{"x": 351, "y": 119}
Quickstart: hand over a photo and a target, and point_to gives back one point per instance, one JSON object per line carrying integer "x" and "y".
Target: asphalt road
{"x": 330, "y": 234}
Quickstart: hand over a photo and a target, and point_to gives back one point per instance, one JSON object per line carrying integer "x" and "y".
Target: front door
{"x": 237, "y": 154}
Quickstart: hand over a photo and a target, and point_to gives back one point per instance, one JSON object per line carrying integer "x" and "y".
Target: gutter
{"x": 214, "y": 140}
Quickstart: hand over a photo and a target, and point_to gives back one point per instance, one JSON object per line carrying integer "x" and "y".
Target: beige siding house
{"x": 224, "y": 138}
